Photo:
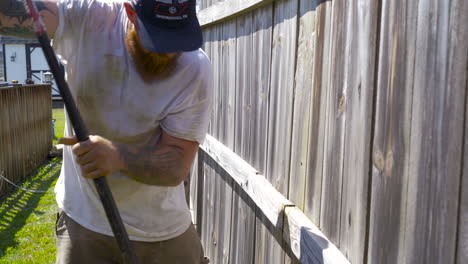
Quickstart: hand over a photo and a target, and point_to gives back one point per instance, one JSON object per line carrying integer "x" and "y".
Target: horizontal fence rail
{"x": 25, "y": 131}
{"x": 299, "y": 236}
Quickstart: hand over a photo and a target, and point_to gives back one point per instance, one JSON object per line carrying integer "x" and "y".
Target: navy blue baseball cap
{"x": 166, "y": 26}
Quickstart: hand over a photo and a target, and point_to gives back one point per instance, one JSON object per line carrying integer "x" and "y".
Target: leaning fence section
{"x": 355, "y": 111}
{"x": 25, "y": 131}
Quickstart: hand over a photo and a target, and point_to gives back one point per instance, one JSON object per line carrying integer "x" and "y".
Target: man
{"x": 143, "y": 87}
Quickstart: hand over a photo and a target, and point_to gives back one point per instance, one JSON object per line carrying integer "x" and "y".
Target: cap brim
{"x": 168, "y": 40}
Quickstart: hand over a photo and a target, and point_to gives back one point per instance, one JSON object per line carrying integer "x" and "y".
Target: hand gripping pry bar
{"x": 81, "y": 132}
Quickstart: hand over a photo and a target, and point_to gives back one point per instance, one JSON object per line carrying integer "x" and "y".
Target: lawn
{"x": 59, "y": 116}
{"x": 27, "y": 219}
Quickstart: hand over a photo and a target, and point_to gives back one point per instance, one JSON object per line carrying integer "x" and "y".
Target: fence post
{"x": 200, "y": 186}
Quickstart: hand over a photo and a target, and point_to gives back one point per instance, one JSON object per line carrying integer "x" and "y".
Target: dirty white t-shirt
{"x": 116, "y": 104}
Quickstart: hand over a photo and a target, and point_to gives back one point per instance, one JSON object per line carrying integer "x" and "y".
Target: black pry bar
{"x": 81, "y": 132}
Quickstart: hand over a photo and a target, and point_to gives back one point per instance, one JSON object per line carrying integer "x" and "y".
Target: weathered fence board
{"x": 227, "y": 65}
{"x": 356, "y": 111}
{"x": 302, "y": 103}
{"x": 260, "y": 60}
{"x": 280, "y": 111}
{"x": 436, "y": 142}
{"x": 336, "y": 117}
{"x": 319, "y": 106}
{"x": 227, "y": 9}
{"x": 458, "y": 78}
{"x": 307, "y": 241}
{"x": 25, "y": 131}
{"x": 281, "y": 93}
{"x": 359, "y": 83}
{"x": 392, "y": 130}
{"x": 243, "y": 228}
{"x": 462, "y": 248}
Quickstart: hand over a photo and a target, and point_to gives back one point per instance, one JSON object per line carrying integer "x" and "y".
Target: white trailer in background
{"x": 23, "y": 59}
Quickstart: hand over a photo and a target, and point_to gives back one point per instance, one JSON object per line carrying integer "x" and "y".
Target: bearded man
{"x": 144, "y": 89}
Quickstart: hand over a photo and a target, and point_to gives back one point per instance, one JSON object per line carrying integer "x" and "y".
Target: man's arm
{"x": 14, "y": 21}
{"x": 167, "y": 163}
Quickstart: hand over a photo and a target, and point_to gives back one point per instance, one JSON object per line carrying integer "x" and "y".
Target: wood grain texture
{"x": 392, "y": 132}
{"x": 281, "y": 106}
{"x": 244, "y": 84}
{"x": 319, "y": 104}
{"x": 281, "y": 93}
{"x": 307, "y": 242}
{"x": 227, "y": 64}
{"x": 260, "y": 59}
{"x": 459, "y": 40}
{"x": 336, "y": 117}
{"x": 228, "y": 9}
{"x": 418, "y": 83}
{"x": 254, "y": 63}
{"x": 462, "y": 245}
{"x": 359, "y": 84}
{"x": 243, "y": 222}
{"x": 211, "y": 47}
{"x": 437, "y": 139}
{"x": 302, "y": 103}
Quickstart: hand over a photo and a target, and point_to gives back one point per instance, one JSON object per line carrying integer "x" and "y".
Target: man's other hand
{"x": 97, "y": 156}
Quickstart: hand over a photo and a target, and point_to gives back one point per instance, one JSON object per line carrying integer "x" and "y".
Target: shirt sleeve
{"x": 79, "y": 17}
{"x": 190, "y": 118}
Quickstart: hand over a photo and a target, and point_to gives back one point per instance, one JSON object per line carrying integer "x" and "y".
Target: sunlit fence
{"x": 352, "y": 112}
{"x": 25, "y": 131}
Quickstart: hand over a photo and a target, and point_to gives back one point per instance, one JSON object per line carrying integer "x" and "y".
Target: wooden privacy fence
{"x": 25, "y": 131}
{"x": 356, "y": 112}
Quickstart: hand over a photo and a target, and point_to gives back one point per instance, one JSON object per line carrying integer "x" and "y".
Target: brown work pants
{"x": 76, "y": 244}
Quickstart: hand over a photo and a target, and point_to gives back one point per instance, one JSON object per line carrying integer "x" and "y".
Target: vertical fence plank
{"x": 336, "y": 117}
{"x": 244, "y": 76}
{"x": 462, "y": 247}
{"x": 243, "y": 218}
{"x": 319, "y": 106}
{"x": 4, "y": 128}
{"x": 223, "y": 199}
{"x": 360, "y": 59}
{"x": 209, "y": 210}
{"x": 302, "y": 103}
{"x": 281, "y": 93}
{"x": 459, "y": 50}
{"x": 260, "y": 59}
{"x": 204, "y": 220}
{"x": 392, "y": 131}
{"x": 280, "y": 109}
{"x": 436, "y": 137}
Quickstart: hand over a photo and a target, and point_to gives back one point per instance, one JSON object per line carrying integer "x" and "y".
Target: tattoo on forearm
{"x": 13, "y": 9}
{"x": 160, "y": 165}
{"x": 14, "y": 19}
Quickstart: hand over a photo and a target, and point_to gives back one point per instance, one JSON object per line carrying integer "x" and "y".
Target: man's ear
{"x": 131, "y": 14}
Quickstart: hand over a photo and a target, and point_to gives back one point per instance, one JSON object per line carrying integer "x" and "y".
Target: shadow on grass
{"x": 15, "y": 210}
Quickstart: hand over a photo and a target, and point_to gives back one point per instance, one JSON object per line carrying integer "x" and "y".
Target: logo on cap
{"x": 171, "y": 9}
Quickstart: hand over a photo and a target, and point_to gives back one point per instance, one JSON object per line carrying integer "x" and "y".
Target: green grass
{"x": 27, "y": 219}
{"x": 59, "y": 116}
